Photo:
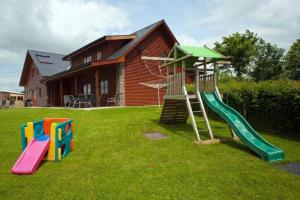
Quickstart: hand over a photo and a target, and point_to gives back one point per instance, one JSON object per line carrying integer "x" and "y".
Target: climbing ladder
{"x": 177, "y": 109}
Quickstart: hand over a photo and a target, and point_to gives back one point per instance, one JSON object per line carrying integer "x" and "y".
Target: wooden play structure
{"x": 178, "y": 104}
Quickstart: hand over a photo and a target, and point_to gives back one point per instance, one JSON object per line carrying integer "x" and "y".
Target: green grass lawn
{"x": 113, "y": 160}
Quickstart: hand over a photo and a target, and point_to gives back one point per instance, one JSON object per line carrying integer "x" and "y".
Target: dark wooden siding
{"x": 136, "y": 72}
{"x": 84, "y": 77}
{"x": 107, "y": 48}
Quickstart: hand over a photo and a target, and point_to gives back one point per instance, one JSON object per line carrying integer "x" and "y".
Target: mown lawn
{"x": 113, "y": 160}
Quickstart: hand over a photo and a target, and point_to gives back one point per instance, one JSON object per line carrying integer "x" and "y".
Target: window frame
{"x": 99, "y": 55}
{"x": 104, "y": 87}
{"x": 87, "y": 89}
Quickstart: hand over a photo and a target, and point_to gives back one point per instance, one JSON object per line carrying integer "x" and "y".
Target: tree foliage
{"x": 241, "y": 48}
{"x": 293, "y": 60}
{"x": 268, "y": 62}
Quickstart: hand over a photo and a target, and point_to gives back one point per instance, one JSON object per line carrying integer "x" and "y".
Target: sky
{"x": 62, "y": 26}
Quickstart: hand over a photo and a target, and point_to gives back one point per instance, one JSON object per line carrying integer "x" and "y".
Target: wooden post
{"x": 196, "y": 80}
{"x": 215, "y": 75}
{"x": 61, "y": 93}
{"x": 183, "y": 76}
{"x": 174, "y": 72}
{"x": 97, "y": 87}
{"x": 75, "y": 84}
{"x": 204, "y": 74}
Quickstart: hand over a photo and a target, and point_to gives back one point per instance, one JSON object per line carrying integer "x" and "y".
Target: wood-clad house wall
{"x": 34, "y": 89}
{"x": 107, "y": 48}
{"x": 156, "y": 44}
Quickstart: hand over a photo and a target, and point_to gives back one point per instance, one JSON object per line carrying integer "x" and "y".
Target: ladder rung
{"x": 200, "y": 120}
{"x": 202, "y": 130}
{"x": 194, "y": 102}
{"x": 197, "y": 111}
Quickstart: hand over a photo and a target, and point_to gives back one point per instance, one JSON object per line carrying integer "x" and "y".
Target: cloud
{"x": 274, "y": 20}
{"x": 54, "y": 26}
{"x": 190, "y": 40}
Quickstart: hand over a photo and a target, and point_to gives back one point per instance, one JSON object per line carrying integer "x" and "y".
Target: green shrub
{"x": 276, "y": 103}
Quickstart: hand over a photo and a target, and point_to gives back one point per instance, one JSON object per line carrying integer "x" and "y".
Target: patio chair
{"x": 82, "y": 100}
{"x": 69, "y": 100}
{"x": 90, "y": 100}
{"x": 28, "y": 103}
{"x": 114, "y": 100}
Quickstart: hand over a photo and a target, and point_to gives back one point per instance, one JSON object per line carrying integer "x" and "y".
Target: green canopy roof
{"x": 193, "y": 53}
{"x": 201, "y": 52}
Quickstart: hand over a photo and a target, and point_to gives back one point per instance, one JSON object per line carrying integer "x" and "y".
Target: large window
{"x": 87, "y": 89}
{"x": 104, "y": 87}
{"x": 40, "y": 92}
{"x": 87, "y": 59}
{"x": 99, "y": 55}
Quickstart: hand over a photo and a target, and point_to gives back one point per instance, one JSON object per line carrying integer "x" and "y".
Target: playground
{"x": 114, "y": 160}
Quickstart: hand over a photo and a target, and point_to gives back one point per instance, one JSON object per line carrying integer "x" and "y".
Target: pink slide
{"x": 32, "y": 155}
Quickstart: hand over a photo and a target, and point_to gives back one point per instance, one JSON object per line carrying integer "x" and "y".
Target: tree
{"x": 268, "y": 61}
{"x": 241, "y": 48}
{"x": 293, "y": 60}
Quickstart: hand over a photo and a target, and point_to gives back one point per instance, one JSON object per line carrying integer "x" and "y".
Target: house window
{"x": 99, "y": 55}
{"x": 87, "y": 59}
{"x": 32, "y": 72}
{"x": 104, "y": 87}
{"x": 87, "y": 89}
{"x": 40, "y": 92}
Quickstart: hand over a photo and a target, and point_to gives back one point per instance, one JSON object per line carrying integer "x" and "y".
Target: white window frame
{"x": 104, "y": 87}
{"x": 99, "y": 55}
{"x": 87, "y": 89}
{"x": 87, "y": 59}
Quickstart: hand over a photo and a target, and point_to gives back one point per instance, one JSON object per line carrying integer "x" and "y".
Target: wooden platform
{"x": 174, "y": 111}
{"x": 179, "y": 97}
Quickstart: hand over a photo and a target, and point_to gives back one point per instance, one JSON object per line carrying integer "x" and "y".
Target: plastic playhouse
{"x": 48, "y": 139}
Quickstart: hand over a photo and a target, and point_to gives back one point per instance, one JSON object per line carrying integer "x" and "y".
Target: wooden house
{"x": 111, "y": 65}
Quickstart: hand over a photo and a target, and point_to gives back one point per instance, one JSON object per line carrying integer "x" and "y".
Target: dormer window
{"x": 99, "y": 55}
{"x": 87, "y": 59}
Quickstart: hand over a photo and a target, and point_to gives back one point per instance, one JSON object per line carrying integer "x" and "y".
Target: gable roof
{"x": 48, "y": 64}
{"x": 99, "y": 41}
{"x": 140, "y": 34}
{"x": 118, "y": 55}
{"x": 134, "y": 38}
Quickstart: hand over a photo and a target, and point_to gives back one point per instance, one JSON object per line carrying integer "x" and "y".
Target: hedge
{"x": 276, "y": 103}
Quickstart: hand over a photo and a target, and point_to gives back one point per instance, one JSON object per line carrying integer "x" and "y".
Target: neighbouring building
{"x": 17, "y": 97}
{"x": 38, "y": 66}
{"x": 103, "y": 68}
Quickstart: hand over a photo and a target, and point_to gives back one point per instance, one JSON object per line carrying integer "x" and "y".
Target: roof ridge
{"x": 162, "y": 20}
{"x": 45, "y": 52}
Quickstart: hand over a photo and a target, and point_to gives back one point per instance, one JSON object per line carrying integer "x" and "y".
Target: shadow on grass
{"x": 186, "y": 131}
{"x": 182, "y": 129}
{"x": 241, "y": 147}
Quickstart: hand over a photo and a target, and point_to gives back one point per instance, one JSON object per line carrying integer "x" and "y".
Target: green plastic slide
{"x": 242, "y": 128}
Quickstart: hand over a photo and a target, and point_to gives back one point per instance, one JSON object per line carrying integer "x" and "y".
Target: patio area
{"x": 87, "y": 89}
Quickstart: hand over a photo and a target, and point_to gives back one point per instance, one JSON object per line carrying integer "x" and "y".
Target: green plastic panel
{"x": 243, "y": 129}
{"x": 201, "y": 52}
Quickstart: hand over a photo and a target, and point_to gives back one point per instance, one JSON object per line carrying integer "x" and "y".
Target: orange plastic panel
{"x": 49, "y": 121}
